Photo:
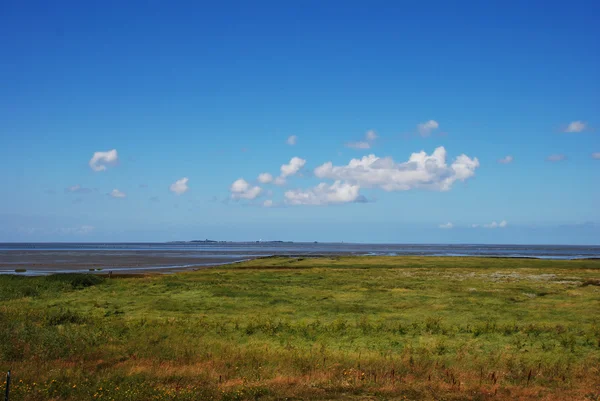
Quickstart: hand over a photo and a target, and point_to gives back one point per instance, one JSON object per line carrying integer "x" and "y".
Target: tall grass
{"x": 418, "y": 328}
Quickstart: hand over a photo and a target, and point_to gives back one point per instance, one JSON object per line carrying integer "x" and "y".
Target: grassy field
{"x": 406, "y": 328}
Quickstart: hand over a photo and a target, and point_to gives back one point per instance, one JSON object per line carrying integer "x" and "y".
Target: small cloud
{"x": 241, "y": 189}
{"x": 292, "y": 139}
{"x": 576, "y": 126}
{"x": 426, "y": 128}
{"x": 115, "y": 193}
{"x": 268, "y": 203}
{"x": 265, "y": 178}
{"x": 292, "y": 167}
{"x": 85, "y": 229}
{"x": 81, "y": 230}
{"x": 180, "y": 186}
{"x": 154, "y": 199}
{"x": 447, "y": 225}
{"x": 556, "y": 158}
{"x": 371, "y": 135}
{"x": 506, "y": 160}
{"x": 493, "y": 224}
{"x": 78, "y": 189}
{"x": 100, "y": 160}
{"x": 596, "y": 155}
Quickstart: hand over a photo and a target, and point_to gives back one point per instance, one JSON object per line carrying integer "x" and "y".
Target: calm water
{"x": 44, "y": 258}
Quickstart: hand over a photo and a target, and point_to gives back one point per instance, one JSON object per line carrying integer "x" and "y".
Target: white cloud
{"x": 279, "y": 181}
{"x": 556, "y": 158}
{"x": 100, "y": 160}
{"x": 265, "y": 178}
{"x": 268, "y": 203}
{"x": 241, "y": 189}
{"x": 180, "y": 186}
{"x": 493, "y": 224}
{"x": 323, "y": 194}
{"x": 506, "y": 160}
{"x": 115, "y": 193}
{"x": 292, "y": 167}
{"x": 448, "y": 225}
{"x": 596, "y": 155}
{"x": 292, "y": 139}
{"x": 359, "y": 145}
{"x": 371, "y": 135}
{"x": 576, "y": 126}
{"x": 426, "y": 128}
{"x": 421, "y": 171}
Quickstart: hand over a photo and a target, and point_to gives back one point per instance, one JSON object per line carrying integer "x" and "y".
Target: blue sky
{"x": 213, "y": 92}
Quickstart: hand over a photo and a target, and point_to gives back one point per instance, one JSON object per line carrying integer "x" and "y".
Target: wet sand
{"x": 46, "y": 262}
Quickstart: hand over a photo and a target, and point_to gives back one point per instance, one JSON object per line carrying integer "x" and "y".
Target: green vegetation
{"x": 309, "y": 328}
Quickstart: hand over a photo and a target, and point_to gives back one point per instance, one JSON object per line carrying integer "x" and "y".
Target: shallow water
{"x": 46, "y": 258}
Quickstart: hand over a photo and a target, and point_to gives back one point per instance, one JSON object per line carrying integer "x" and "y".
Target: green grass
{"x": 309, "y": 328}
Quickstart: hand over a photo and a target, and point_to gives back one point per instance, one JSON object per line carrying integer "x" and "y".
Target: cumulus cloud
{"x": 371, "y": 135}
{"x": 556, "y": 158}
{"x": 268, "y": 203}
{"x": 323, "y": 194}
{"x": 427, "y": 127}
{"x": 421, "y": 171}
{"x": 292, "y": 167}
{"x": 100, "y": 160}
{"x": 180, "y": 186}
{"x": 596, "y": 155}
{"x": 115, "y": 193}
{"x": 78, "y": 189}
{"x": 576, "y": 126}
{"x": 241, "y": 189}
{"x": 287, "y": 170}
{"x": 292, "y": 139}
{"x": 447, "y": 225}
{"x": 265, "y": 178}
{"x": 506, "y": 160}
{"x": 359, "y": 145}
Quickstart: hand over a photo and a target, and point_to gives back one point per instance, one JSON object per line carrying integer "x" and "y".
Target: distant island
{"x": 210, "y": 241}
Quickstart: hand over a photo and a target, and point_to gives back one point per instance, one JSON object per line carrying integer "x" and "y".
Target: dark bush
{"x": 76, "y": 280}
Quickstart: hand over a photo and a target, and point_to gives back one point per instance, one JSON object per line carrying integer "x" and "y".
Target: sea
{"x": 47, "y": 258}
